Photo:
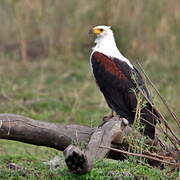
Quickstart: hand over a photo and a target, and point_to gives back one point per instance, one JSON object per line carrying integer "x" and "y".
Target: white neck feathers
{"x": 106, "y": 44}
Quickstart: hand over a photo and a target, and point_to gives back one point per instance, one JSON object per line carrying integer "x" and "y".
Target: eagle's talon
{"x": 108, "y": 117}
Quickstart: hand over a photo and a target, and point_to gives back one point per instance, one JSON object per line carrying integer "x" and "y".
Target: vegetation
{"x": 45, "y": 73}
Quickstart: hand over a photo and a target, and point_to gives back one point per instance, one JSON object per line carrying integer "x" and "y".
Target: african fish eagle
{"x": 113, "y": 74}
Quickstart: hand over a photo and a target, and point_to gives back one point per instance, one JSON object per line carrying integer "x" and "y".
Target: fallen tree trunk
{"x": 23, "y": 129}
{"x": 113, "y": 133}
{"x": 54, "y": 135}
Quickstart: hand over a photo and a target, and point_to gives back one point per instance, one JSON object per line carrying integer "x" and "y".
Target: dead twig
{"x": 174, "y": 140}
{"x": 173, "y": 114}
{"x": 141, "y": 155}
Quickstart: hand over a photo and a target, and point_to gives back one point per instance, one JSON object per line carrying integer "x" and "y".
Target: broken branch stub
{"x": 81, "y": 161}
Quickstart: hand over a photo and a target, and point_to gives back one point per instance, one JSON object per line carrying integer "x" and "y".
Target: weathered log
{"x": 23, "y": 129}
{"x": 113, "y": 132}
{"x": 82, "y": 161}
{"x": 54, "y": 135}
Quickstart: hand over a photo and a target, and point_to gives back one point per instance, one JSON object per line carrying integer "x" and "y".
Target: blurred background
{"x": 45, "y": 48}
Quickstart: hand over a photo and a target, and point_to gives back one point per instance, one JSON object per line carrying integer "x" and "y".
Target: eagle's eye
{"x": 101, "y": 30}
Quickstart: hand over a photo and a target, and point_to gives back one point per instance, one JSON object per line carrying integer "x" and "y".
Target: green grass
{"x": 32, "y": 161}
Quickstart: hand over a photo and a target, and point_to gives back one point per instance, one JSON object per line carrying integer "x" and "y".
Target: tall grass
{"x": 141, "y": 27}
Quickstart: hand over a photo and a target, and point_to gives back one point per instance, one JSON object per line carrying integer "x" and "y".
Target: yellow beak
{"x": 95, "y": 31}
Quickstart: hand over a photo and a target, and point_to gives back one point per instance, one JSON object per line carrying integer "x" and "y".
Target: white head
{"x": 105, "y": 42}
{"x": 102, "y": 32}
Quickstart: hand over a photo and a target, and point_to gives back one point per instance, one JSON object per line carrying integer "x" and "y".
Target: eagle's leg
{"x": 112, "y": 113}
{"x": 108, "y": 117}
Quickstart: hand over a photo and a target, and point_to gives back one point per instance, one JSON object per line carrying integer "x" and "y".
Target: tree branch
{"x": 82, "y": 161}
{"x": 23, "y": 129}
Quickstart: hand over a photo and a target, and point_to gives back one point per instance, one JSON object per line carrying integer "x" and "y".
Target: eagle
{"x": 119, "y": 81}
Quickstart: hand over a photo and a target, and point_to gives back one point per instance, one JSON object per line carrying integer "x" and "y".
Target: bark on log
{"x": 54, "y": 135}
{"x": 82, "y": 161}
{"x": 23, "y": 129}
